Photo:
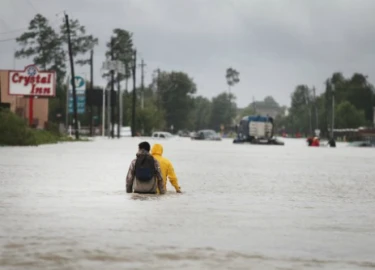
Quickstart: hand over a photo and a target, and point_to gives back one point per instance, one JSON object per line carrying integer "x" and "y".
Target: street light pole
{"x": 134, "y": 92}
{"x": 333, "y": 108}
{"x": 73, "y": 78}
{"x": 92, "y": 89}
{"x": 112, "y": 95}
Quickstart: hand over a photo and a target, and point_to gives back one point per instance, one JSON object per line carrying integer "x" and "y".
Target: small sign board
{"x": 80, "y": 84}
{"x": 117, "y": 66}
{"x": 32, "y": 82}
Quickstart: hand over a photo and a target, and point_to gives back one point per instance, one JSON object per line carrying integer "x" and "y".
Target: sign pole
{"x": 103, "y": 113}
{"x": 113, "y": 103}
{"x": 73, "y": 79}
{"x": 134, "y": 91}
{"x": 31, "y": 105}
{"x": 67, "y": 104}
{"x": 92, "y": 89}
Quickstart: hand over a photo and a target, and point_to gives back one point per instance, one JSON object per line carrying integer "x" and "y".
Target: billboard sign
{"x": 32, "y": 82}
{"x": 80, "y": 84}
{"x": 80, "y": 104}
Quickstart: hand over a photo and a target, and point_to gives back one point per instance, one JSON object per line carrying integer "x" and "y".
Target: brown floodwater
{"x": 244, "y": 207}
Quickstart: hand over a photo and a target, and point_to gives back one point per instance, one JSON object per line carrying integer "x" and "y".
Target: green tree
{"x": 347, "y": 116}
{"x": 201, "y": 113}
{"x": 232, "y": 77}
{"x": 357, "y": 90}
{"x": 223, "y": 111}
{"x": 270, "y": 102}
{"x": 301, "y": 109}
{"x": 360, "y": 93}
{"x": 248, "y": 110}
{"x": 121, "y": 44}
{"x": 80, "y": 41}
{"x": 151, "y": 118}
{"x": 45, "y": 46}
{"x": 174, "y": 96}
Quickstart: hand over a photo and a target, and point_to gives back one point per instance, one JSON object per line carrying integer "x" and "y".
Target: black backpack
{"x": 145, "y": 168}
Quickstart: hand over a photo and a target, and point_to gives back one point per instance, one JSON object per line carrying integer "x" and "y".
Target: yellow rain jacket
{"x": 166, "y": 167}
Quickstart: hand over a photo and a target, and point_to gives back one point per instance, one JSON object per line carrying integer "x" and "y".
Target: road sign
{"x": 117, "y": 66}
{"x": 80, "y": 84}
{"x": 81, "y": 104}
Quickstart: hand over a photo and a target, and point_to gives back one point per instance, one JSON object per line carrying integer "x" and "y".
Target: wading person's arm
{"x": 130, "y": 178}
{"x": 159, "y": 178}
{"x": 173, "y": 178}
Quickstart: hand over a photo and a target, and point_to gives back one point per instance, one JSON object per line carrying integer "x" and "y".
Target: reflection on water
{"x": 293, "y": 207}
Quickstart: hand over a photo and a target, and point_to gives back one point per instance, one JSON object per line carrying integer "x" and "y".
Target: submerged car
{"x": 183, "y": 133}
{"x": 161, "y": 134}
{"x": 362, "y": 144}
{"x": 206, "y": 134}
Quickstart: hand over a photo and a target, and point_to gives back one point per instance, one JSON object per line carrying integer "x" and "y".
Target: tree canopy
{"x": 172, "y": 99}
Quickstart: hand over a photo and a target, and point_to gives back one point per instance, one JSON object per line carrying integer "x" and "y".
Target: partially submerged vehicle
{"x": 256, "y": 129}
{"x": 183, "y": 133}
{"x": 162, "y": 135}
{"x": 206, "y": 134}
{"x": 368, "y": 143}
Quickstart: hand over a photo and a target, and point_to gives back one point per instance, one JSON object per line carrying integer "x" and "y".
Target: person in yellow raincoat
{"x": 167, "y": 170}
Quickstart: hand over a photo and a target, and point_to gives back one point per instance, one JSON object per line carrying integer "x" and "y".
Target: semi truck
{"x": 256, "y": 129}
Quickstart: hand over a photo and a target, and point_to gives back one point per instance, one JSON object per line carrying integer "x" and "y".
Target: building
{"x": 272, "y": 112}
{"x": 18, "y": 93}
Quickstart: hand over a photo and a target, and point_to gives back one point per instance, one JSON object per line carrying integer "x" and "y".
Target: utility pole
{"x": 134, "y": 91}
{"x": 307, "y": 102}
{"x": 333, "y": 109}
{"x": 67, "y": 104}
{"x": 142, "y": 89}
{"x": 92, "y": 90}
{"x": 73, "y": 78}
{"x": 108, "y": 94}
{"x": 112, "y": 92}
{"x": 103, "y": 113}
{"x": 316, "y": 109}
{"x": 254, "y": 106}
{"x": 158, "y": 98}
{"x": 142, "y": 65}
{"x": 119, "y": 124}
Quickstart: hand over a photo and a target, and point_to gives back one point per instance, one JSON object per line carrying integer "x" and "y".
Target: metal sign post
{"x": 119, "y": 67}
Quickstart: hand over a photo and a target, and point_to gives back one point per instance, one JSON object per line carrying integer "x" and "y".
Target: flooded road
{"x": 244, "y": 207}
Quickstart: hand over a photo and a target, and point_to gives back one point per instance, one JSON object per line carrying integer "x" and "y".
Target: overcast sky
{"x": 274, "y": 44}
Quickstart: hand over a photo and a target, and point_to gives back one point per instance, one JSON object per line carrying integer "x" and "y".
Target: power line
{"x": 32, "y": 6}
{"x": 52, "y": 22}
{"x": 8, "y": 39}
{"x": 13, "y": 31}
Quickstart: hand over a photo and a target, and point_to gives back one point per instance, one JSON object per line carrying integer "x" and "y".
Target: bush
{"x": 45, "y": 137}
{"x": 53, "y": 128}
{"x": 14, "y": 130}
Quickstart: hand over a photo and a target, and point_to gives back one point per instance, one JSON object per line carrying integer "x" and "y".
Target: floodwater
{"x": 244, "y": 207}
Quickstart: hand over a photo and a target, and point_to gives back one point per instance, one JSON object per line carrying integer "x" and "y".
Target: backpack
{"x": 145, "y": 168}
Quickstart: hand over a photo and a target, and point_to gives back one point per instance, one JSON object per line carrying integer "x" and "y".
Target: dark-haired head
{"x": 144, "y": 146}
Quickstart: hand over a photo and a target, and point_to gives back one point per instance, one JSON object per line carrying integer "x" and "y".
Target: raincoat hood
{"x": 157, "y": 149}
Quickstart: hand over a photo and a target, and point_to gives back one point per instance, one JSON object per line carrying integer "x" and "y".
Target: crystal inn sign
{"x": 32, "y": 83}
